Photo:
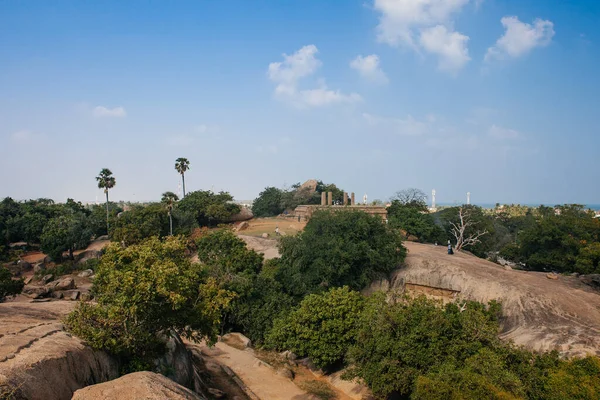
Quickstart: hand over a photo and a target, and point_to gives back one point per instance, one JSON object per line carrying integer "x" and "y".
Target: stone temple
{"x": 305, "y": 212}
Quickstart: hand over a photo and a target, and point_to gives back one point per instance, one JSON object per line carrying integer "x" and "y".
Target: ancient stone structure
{"x": 345, "y": 198}
{"x": 352, "y": 199}
{"x": 329, "y": 198}
{"x": 323, "y": 198}
{"x": 305, "y": 212}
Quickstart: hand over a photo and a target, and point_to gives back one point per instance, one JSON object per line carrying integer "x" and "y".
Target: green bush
{"x": 254, "y": 310}
{"x": 395, "y": 343}
{"x": 259, "y": 299}
{"x": 227, "y": 256}
{"x": 144, "y": 290}
{"x": 268, "y": 203}
{"x": 8, "y": 285}
{"x": 323, "y": 326}
{"x": 336, "y": 249}
{"x": 68, "y": 232}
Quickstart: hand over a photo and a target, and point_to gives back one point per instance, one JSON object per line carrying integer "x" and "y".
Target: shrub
{"x": 144, "y": 290}
{"x": 268, "y": 203}
{"x": 322, "y": 327}
{"x": 8, "y": 285}
{"x": 338, "y": 248}
{"x": 396, "y": 343}
{"x": 254, "y": 310}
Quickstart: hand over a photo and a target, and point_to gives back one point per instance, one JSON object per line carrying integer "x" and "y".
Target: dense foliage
{"x": 68, "y": 232}
{"x": 414, "y": 219}
{"x": 345, "y": 248}
{"x": 209, "y": 208}
{"x": 268, "y": 203}
{"x": 274, "y": 201}
{"x": 259, "y": 298}
{"x": 140, "y": 222}
{"x": 8, "y": 285}
{"x": 144, "y": 290}
{"x": 323, "y": 327}
{"x": 396, "y": 343}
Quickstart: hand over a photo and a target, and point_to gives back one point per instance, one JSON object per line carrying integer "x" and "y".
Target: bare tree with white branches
{"x": 459, "y": 230}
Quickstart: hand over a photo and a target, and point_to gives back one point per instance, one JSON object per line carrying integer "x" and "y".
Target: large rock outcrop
{"x": 538, "y": 312}
{"x": 136, "y": 386}
{"x": 39, "y": 360}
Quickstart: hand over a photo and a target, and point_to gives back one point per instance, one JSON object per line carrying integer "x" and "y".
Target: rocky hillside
{"x": 40, "y": 360}
{"x": 540, "y": 311}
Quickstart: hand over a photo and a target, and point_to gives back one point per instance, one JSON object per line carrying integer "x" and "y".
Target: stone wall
{"x": 305, "y": 212}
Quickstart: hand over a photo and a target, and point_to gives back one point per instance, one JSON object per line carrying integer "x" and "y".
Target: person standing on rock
{"x": 450, "y": 251}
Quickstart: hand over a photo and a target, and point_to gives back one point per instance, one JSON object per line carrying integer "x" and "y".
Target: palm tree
{"x": 169, "y": 199}
{"x": 182, "y": 165}
{"x": 106, "y": 181}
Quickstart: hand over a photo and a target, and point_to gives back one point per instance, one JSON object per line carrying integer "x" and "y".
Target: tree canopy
{"x": 336, "y": 249}
{"x": 144, "y": 290}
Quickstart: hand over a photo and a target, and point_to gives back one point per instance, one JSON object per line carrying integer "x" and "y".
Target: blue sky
{"x": 499, "y": 98}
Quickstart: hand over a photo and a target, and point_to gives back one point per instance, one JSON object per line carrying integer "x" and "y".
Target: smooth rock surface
{"x": 137, "y": 386}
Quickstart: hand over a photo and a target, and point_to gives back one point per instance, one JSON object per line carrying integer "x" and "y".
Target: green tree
{"x": 588, "y": 259}
{"x": 8, "y": 285}
{"x": 169, "y": 199}
{"x": 139, "y": 223}
{"x": 143, "y": 291}
{"x": 398, "y": 342}
{"x": 67, "y": 232}
{"x": 209, "y": 208}
{"x": 259, "y": 298}
{"x": 415, "y": 221}
{"x": 322, "y": 328}
{"x": 182, "y": 165}
{"x": 227, "y": 256}
{"x": 336, "y": 249}
{"x": 268, "y": 203}
{"x": 106, "y": 181}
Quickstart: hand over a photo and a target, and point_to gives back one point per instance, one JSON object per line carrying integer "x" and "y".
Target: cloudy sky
{"x": 496, "y": 97}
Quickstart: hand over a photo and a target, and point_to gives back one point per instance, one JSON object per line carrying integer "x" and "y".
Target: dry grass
{"x": 287, "y": 226}
{"x": 319, "y": 389}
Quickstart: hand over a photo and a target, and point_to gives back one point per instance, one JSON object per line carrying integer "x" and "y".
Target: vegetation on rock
{"x": 144, "y": 290}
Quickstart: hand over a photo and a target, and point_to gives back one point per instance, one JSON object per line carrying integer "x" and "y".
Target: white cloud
{"x": 324, "y": 96}
{"x": 520, "y": 38}
{"x": 368, "y": 67}
{"x": 498, "y": 132}
{"x": 450, "y": 46}
{"x": 424, "y": 24}
{"x": 101, "y": 111}
{"x": 299, "y": 65}
{"x": 408, "y": 126}
{"x": 292, "y": 69}
{"x": 400, "y": 17}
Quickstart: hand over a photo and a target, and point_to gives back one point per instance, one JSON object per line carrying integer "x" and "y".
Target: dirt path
{"x": 258, "y": 376}
{"x": 266, "y": 246}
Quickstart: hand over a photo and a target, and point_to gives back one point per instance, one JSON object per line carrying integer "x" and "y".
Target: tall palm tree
{"x": 169, "y": 199}
{"x": 106, "y": 181}
{"x": 182, "y": 165}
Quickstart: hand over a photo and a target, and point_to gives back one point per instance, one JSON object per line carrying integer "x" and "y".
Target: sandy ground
{"x": 260, "y": 377}
{"x": 287, "y": 226}
{"x": 268, "y": 247}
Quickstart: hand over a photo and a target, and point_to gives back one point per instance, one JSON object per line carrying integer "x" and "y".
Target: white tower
{"x": 468, "y": 198}
{"x": 433, "y": 199}
{"x": 365, "y": 199}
